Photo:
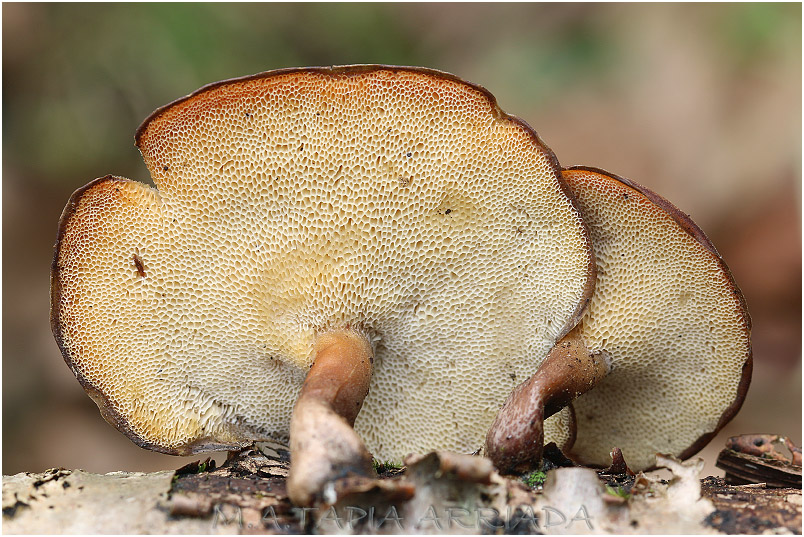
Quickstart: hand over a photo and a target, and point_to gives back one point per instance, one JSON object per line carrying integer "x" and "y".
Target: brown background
{"x": 701, "y": 103}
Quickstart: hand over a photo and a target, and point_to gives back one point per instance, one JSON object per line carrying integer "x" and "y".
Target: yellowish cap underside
{"x": 668, "y": 314}
{"x": 399, "y": 203}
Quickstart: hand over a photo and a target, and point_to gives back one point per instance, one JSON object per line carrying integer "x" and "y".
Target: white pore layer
{"x": 403, "y": 204}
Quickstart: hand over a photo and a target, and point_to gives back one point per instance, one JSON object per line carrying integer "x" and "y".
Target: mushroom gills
{"x": 516, "y": 438}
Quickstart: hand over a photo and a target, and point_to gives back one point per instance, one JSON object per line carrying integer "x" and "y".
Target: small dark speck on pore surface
{"x": 140, "y": 267}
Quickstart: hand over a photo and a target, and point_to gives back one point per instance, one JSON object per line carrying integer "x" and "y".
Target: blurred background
{"x": 699, "y": 102}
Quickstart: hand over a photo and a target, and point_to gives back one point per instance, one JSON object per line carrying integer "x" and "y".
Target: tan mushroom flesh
{"x": 668, "y": 315}
{"x": 398, "y": 212}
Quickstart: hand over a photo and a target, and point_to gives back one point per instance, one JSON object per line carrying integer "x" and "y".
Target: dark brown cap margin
{"x": 352, "y": 70}
{"x": 681, "y": 218}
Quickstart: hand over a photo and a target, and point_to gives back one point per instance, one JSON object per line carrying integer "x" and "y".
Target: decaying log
{"x": 437, "y": 493}
{"x": 760, "y": 458}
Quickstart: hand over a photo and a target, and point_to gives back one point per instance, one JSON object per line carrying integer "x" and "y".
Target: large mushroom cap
{"x": 669, "y": 315}
{"x": 400, "y": 202}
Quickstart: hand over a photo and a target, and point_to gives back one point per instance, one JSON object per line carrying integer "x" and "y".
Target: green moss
{"x": 383, "y": 466}
{"x": 618, "y": 492}
{"x": 534, "y": 479}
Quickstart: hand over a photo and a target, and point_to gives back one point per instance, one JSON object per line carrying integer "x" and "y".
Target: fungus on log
{"x": 305, "y": 222}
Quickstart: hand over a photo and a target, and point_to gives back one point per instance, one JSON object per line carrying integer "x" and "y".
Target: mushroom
{"x": 664, "y": 346}
{"x": 321, "y": 240}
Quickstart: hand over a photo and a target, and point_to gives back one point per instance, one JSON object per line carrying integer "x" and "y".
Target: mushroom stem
{"x": 516, "y": 438}
{"x": 323, "y": 445}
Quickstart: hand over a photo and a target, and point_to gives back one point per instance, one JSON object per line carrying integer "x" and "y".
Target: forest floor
{"x": 438, "y": 493}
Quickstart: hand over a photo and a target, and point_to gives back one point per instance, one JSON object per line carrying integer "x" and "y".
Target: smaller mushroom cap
{"x": 669, "y": 314}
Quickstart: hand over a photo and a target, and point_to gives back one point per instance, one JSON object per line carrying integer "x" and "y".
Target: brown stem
{"x": 323, "y": 445}
{"x": 516, "y": 438}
